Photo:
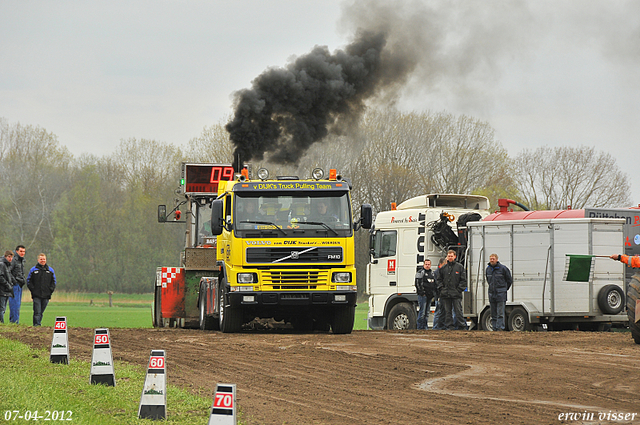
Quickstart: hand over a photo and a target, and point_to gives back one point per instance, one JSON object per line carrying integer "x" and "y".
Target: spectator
{"x": 17, "y": 270}
{"x": 438, "y": 317}
{"x": 41, "y": 282}
{"x": 425, "y": 288}
{"x": 452, "y": 281}
{"x": 6, "y": 282}
{"x": 499, "y": 280}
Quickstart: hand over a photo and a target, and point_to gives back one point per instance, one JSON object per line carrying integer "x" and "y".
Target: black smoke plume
{"x": 288, "y": 109}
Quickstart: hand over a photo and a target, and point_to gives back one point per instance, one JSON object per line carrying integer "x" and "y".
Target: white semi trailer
{"x": 533, "y": 247}
{"x": 535, "y": 250}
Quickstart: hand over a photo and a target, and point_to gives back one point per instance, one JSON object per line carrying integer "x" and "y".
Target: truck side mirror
{"x": 217, "y": 214}
{"x": 162, "y": 213}
{"x": 366, "y": 216}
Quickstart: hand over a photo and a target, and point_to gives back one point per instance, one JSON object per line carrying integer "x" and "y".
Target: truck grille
{"x": 294, "y": 279}
{"x": 298, "y": 254}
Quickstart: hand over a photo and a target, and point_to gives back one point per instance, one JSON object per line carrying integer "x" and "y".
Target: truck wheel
{"x": 302, "y": 323}
{"x": 206, "y": 322}
{"x": 632, "y": 295}
{"x": 321, "y": 325}
{"x": 157, "y": 308}
{"x": 519, "y": 320}
{"x": 343, "y": 318}
{"x": 485, "y": 320}
{"x": 402, "y": 316}
{"x": 611, "y": 299}
{"x": 230, "y": 319}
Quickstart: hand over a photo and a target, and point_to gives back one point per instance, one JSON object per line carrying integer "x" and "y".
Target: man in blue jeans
{"x": 17, "y": 270}
{"x": 6, "y": 282}
{"x": 425, "y": 288}
{"x": 41, "y": 282}
{"x": 499, "y": 280}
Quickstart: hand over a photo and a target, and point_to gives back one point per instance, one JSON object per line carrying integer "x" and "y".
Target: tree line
{"x": 95, "y": 216}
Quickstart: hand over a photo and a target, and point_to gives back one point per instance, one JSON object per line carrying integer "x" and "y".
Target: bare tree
{"x": 34, "y": 172}
{"x": 555, "y": 178}
{"x": 212, "y": 145}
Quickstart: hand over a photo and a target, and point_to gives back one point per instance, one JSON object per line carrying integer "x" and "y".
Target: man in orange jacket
{"x": 630, "y": 261}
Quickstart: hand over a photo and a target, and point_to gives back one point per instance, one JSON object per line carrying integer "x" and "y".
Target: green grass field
{"x": 128, "y": 311}
{"x": 31, "y": 383}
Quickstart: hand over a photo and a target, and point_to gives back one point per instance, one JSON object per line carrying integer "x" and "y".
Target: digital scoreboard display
{"x": 204, "y": 178}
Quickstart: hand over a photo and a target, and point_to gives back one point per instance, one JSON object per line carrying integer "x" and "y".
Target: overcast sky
{"x": 540, "y": 72}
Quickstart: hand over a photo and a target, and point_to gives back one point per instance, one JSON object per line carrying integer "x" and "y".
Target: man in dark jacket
{"x": 17, "y": 270}
{"x": 438, "y": 317}
{"x": 41, "y": 282}
{"x": 499, "y": 280}
{"x": 452, "y": 281}
{"x": 425, "y": 288}
{"x": 6, "y": 282}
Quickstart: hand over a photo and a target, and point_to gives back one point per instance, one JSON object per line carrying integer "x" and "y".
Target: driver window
{"x": 384, "y": 244}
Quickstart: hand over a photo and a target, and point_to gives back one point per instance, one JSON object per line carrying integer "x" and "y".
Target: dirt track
{"x": 391, "y": 377}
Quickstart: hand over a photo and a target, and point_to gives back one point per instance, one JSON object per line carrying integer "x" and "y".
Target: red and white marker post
{"x": 60, "y": 342}
{"x": 223, "y": 409}
{"x": 102, "y": 361}
{"x": 153, "y": 403}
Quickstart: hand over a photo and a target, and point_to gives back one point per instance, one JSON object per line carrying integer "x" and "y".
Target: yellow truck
{"x": 284, "y": 250}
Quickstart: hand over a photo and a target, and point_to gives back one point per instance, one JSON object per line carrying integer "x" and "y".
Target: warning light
{"x": 181, "y": 182}
{"x": 178, "y": 215}
{"x": 332, "y": 174}
{"x": 393, "y": 206}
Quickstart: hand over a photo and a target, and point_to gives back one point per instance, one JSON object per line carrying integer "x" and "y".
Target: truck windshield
{"x": 203, "y": 224}
{"x": 294, "y": 214}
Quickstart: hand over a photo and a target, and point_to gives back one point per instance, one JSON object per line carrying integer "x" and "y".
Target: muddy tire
{"x": 485, "y": 321}
{"x": 206, "y": 322}
{"x": 402, "y": 316}
{"x": 632, "y": 295}
{"x": 611, "y": 299}
{"x": 157, "y": 308}
{"x": 519, "y": 320}
{"x": 230, "y": 319}
{"x": 343, "y": 318}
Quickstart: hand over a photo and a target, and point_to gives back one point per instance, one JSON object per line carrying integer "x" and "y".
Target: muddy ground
{"x": 384, "y": 377}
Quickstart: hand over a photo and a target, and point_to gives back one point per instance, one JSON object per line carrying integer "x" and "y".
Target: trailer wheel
{"x": 519, "y": 320}
{"x": 402, "y": 316}
{"x": 157, "y": 308}
{"x": 206, "y": 322}
{"x": 230, "y": 319}
{"x": 611, "y": 299}
{"x": 632, "y": 296}
{"x": 485, "y": 321}
{"x": 343, "y": 318}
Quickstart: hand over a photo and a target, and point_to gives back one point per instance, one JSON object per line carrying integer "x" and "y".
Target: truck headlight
{"x": 346, "y": 288}
{"x": 247, "y": 278}
{"x": 241, "y": 288}
{"x": 341, "y": 277}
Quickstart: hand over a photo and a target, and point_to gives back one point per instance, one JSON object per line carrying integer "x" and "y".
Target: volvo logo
{"x": 295, "y": 255}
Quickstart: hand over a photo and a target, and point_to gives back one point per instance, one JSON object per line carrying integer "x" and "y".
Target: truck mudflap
{"x": 294, "y": 299}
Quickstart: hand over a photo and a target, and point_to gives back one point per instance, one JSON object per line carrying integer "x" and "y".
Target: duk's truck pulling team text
{"x": 533, "y": 244}
{"x": 278, "y": 248}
